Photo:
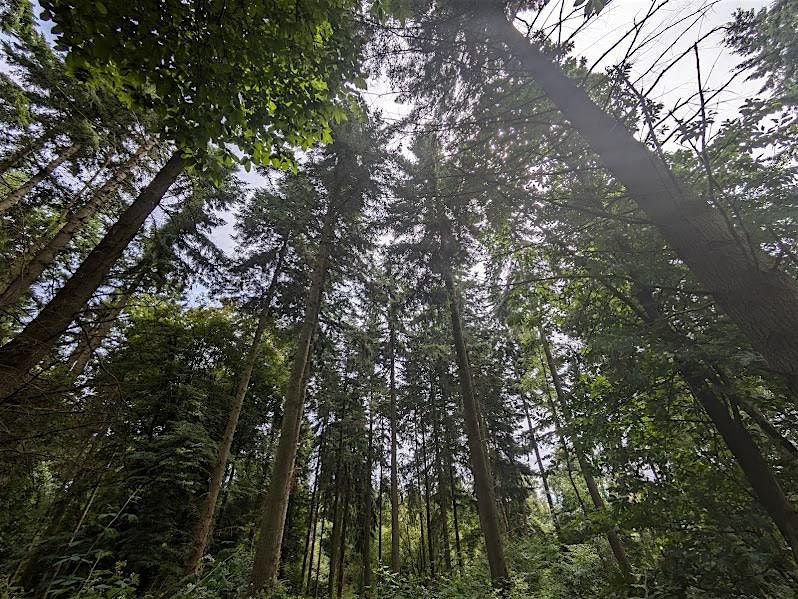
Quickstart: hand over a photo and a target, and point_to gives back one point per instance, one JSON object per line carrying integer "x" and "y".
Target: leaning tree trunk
{"x": 755, "y": 467}
{"x": 613, "y": 537}
{"x": 762, "y": 302}
{"x": 541, "y": 469}
{"x": 106, "y": 320}
{"x": 267, "y": 555}
{"x": 23, "y": 352}
{"x": 395, "y": 557}
{"x": 16, "y": 196}
{"x": 25, "y": 150}
{"x": 27, "y": 272}
{"x": 483, "y": 485}
{"x": 204, "y": 526}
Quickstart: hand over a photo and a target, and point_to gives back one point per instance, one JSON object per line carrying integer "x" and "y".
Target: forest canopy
{"x": 322, "y": 298}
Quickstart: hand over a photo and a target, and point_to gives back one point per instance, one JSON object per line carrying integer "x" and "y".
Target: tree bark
{"x": 762, "y": 302}
{"x": 342, "y": 548}
{"x": 90, "y": 341}
{"x": 427, "y": 502}
{"x": 26, "y": 150}
{"x": 310, "y": 538}
{"x": 23, "y": 352}
{"x": 541, "y": 470}
{"x": 204, "y": 526}
{"x": 27, "y": 272}
{"x": 395, "y": 555}
{"x": 16, "y": 196}
{"x": 442, "y": 490}
{"x": 267, "y": 555}
{"x": 755, "y": 467}
{"x": 613, "y": 537}
{"x": 483, "y": 485}
{"x": 367, "y": 511}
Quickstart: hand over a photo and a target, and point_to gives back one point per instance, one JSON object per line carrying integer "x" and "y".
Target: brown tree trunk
{"x": 613, "y": 537}
{"x": 21, "y": 354}
{"x": 16, "y": 196}
{"x": 335, "y": 533}
{"x": 449, "y": 457}
{"x": 318, "y": 560}
{"x": 204, "y": 526}
{"x": 367, "y": 511}
{"x": 427, "y": 502}
{"x": 379, "y": 499}
{"x": 762, "y": 302}
{"x": 27, "y": 272}
{"x": 441, "y": 494}
{"x": 483, "y": 485}
{"x": 267, "y": 555}
{"x": 395, "y": 555}
{"x": 26, "y": 150}
{"x": 99, "y": 330}
{"x": 310, "y": 538}
{"x": 342, "y": 548}
{"x": 541, "y": 470}
{"x": 755, "y": 467}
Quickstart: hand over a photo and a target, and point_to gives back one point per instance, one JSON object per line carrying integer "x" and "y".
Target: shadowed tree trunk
{"x": 17, "y": 195}
{"x": 92, "y": 338}
{"x": 25, "y": 150}
{"x": 541, "y": 470}
{"x": 28, "y": 348}
{"x": 483, "y": 485}
{"x": 755, "y": 467}
{"x": 267, "y": 555}
{"x": 441, "y": 494}
{"x": 763, "y": 302}
{"x": 27, "y": 272}
{"x": 395, "y": 557}
{"x": 427, "y": 502}
{"x": 204, "y": 526}
{"x": 367, "y": 510}
{"x": 613, "y": 537}
{"x": 310, "y": 538}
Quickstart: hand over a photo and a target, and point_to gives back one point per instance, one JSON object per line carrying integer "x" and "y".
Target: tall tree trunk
{"x": 379, "y": 498}
{"x": 90, "y": 340}
{"x": 763, "y": 302}
{"x": 367, "y": 511}
{"x": 422, "y": 560}
{"x": 267, "y": 555}
{"x": 395, "y": 555}
{"x": 755, "y": 467}
{"x": 25, "y": 150}
{"x": 613, "y": 537}
{"x": 483, "y": 485}
{"x": 27, "y": 272}
{"x": 541, "y": 470}
{"x": 442, "y": 487}
{"x": 335, "y": 533}
{"x": 310, "y": 538}
{"x": 204, "y": 526}
{"x": 16, "y": 196}
{"x": 455, "y": 518}
{"x": 21, "y": 354}
{"x": 342, "y": 548}
{"x": 318, "y": 560}
{"x": 786, "y": 447}
{"x": 427, "y": 502}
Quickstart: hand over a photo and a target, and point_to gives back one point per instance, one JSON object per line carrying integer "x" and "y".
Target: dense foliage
{"x": 460, "y": 355}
